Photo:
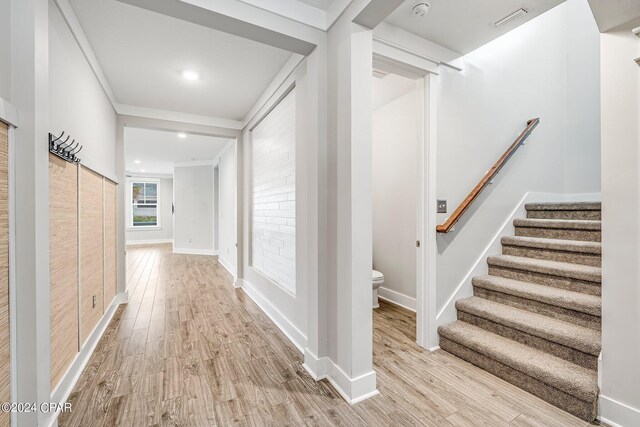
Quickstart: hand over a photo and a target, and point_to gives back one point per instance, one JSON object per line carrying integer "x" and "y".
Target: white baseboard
{"x": 294, "y": 334}
{"x": 318, "y": 367}
{"x": 227, "y": 266}
{"x": 397, "y": 298}
{"x": 62, "y": 391}
{"x": 353, "y": 390}
{"x": 192, "y": 251}
{"x": 617, "y": 414}
{"x": 447, "y": 313}
{"x": 148, "y": 242}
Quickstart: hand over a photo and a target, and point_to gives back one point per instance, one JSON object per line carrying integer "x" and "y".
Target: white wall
{"x": 537, "y": 70}
{"x": 193, "y": 217}
{"x": 395, "y": 149}
{"x": 227, "y": 209}
{"x": 273, "y": 194}
{"x": 620, "y": 400}
{"x": 165, "y": 232}
{"x": 78, "y": 105}
{"x": 582, "y": 152}
{"x": 5, "y": 49}
{"x": 286, "y": 306}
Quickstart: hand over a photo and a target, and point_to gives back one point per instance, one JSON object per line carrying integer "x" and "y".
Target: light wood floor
{"x": 189, "y": 350}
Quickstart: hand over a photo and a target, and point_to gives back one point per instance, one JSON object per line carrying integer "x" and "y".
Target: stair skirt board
{"x": 581, "y": 409}
{"x": 535, "y": 319}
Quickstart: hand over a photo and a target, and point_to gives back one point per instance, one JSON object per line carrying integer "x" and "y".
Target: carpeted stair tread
{"x": 554, "y": 244}
{"x": 563, "y": 224}
{"x": 570, "y": 378}
{"x": 577, "y": 301}
{"x": 567, "y": 334}
{"x": 554, "y": 268}
{"x": 563, "y": 206}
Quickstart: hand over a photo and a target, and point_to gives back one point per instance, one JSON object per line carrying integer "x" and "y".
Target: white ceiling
{"x": 144, "y": 53}
{"x": 465, "y": 25}
{"x": 319, "y": 4}
{"x": 158, "y": 150}
{"x": 610, "y": 14}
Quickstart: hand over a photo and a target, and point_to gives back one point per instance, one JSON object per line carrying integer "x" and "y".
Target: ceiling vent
{"x": 421, "y": 9}
{"x": 511, "y": 17}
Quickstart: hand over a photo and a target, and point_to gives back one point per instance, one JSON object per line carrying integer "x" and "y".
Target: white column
{"x": 620, "y": 399}
{"x": 30, "y": 76}
{"x": 349, "y": 202}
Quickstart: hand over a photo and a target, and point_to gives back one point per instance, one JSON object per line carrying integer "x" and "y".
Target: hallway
{"x": 190, "y": 350}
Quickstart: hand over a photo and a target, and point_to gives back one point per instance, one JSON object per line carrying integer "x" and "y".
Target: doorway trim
{"x": 397, "y": 61}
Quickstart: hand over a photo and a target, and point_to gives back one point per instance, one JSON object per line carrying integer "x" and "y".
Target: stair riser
{"x": 561, "y": 313}
{"x": 559, "y": 233}
{"x": 553, "y": 255}
{"x": 570, "y": 284}
{"x": 584, "y": 410}
{"x": 552, "y": 214}
{"x": 567, "y": 353}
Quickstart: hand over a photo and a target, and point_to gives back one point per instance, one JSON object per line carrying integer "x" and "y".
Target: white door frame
{"x": 424, "y": 72}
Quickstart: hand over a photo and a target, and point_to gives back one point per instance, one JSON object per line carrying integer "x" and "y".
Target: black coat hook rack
{"x": 64, "y": 149}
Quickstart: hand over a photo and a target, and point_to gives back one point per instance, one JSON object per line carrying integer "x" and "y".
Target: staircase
{"x": 534, "y": 321}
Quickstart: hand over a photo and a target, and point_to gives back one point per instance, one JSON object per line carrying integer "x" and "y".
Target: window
{"x": 144, "y": 204}
{"x": 273, "y": 195}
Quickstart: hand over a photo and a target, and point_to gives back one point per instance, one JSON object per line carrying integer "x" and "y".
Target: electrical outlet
{"x": 442, "y": 206}
{"x": 94, "y": 301}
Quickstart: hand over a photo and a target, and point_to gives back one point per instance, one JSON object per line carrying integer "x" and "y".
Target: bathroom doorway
{"x": 403, "y": 199}
{"x": 395, "y": 140}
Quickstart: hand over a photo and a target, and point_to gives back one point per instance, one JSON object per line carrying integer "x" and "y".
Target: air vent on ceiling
{"x": 511, "y": 17}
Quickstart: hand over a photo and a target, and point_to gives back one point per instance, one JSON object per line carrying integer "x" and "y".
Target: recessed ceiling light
{"x": 182, "y": 135}
{"x": 137, "y": 162}
{"x": 143, "y": 170}
{"x": 191, "y": 75}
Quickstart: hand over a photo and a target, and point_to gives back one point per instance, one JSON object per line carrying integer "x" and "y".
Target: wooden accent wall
{"x": 5, "y": 355}
{"x": 63, "y": 264}
{"x": 91, "y": 252}
{"x": 110, "y": 222}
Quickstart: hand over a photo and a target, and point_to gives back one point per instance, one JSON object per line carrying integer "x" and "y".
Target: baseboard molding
{"x": 318, "y": 367}
{"x": 191, "y": 251}
{"x": 148, "y": 242}
{"x": 447, "y": 313}
{"x": 294, "y": 334}
{"x": 61, "y": 393}
{"x": 397, "y": 298}
{"x": 352, "y": 390}
{"x": 617, "y": 414}
{"x": 227, "y": 266}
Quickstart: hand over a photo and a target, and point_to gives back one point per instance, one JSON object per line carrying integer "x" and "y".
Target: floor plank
{"x": 190, "y": 350}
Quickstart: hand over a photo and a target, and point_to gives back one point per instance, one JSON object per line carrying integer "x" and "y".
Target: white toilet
{"x": 377, "y": 279}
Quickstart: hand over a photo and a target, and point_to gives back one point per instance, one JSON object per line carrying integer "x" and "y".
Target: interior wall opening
{"x": 396, "y": 127}
{"x": 180, "y": 190}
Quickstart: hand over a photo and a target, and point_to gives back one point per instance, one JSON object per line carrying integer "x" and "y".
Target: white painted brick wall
{"x": 273, "y": 213}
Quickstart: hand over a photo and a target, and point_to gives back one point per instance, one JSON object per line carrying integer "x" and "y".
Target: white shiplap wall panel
{"x": 273, "y": 213}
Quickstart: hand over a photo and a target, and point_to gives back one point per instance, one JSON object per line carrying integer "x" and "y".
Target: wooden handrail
{"x": 486, "y": 179}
